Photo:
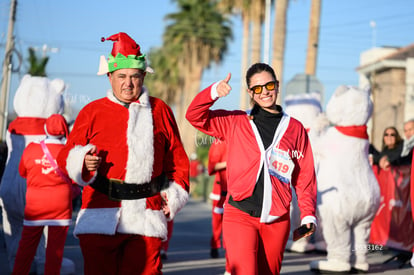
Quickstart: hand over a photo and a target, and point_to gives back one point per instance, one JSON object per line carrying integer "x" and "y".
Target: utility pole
{"x": 7, "y": 68}
{"x": 266, "y": 58}
{"x": 373, "y": 25}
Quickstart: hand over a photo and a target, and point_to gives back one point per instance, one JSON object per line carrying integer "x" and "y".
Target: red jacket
{"x": 48, "y": 196}
{"x": 136, "y": 144}
{"x": 246, "y": 157}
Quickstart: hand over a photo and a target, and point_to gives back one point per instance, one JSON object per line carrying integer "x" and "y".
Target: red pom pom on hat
{"x": 56, "y": 126}
{"x": 123, "y": 44}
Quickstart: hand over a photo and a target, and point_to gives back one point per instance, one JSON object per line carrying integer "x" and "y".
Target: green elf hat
{"x": 125, "y": 54}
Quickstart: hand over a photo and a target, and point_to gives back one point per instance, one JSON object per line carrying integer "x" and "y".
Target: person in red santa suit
{"x": 412, "y": 201}
{"x": 217, "y": 167}
{"x": 217, "y": 164}
{"x": 267, "y": 152}
{"x": 48, "y": 199}
{"x": 121, "y": 150}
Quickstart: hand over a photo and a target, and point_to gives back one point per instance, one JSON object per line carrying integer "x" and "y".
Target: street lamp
{"x": 373, "y": 25}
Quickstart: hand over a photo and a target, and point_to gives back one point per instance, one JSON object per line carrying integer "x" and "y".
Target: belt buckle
{"x": 112, "y": 181}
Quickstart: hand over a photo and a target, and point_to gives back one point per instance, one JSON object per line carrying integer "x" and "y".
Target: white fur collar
{"x": 143, "y": 98}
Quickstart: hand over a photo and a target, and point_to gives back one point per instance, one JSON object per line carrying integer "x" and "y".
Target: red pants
{"x": 252, "y": 247}
{"x": 216, "y": 225}
{"x": 56, "y": 238}
{"x": 120, "y": 254}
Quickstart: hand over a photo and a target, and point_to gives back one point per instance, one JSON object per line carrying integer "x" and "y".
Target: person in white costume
{"x": 306, "y": 108}
{"x": 347, "y": 188}
{"x": 35, "y": 100}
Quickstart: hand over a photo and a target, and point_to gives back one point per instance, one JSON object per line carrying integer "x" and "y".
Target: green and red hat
{"x": 125, "y": 54}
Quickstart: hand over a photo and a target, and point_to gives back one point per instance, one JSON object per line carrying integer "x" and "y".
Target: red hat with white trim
{"x": 56, "y": 126}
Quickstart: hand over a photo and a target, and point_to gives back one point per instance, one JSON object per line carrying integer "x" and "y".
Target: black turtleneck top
{"x": 266, "y": 124}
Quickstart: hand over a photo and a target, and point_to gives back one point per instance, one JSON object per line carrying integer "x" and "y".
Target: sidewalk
{"x": 189, "y": 251}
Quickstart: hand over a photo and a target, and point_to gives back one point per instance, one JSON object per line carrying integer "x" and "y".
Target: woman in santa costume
{"x": 267, "y": 151}
{"x": 121, "y": 149}
{"x": 48, "y": 199}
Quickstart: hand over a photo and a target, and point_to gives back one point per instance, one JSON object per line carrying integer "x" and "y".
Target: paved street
{"x": 189, "y": 250}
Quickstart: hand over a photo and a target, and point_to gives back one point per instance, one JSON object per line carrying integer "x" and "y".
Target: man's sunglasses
{"x": 270, "y": 86}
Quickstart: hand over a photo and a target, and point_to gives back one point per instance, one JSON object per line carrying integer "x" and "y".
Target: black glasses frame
{"x": 256, "y": 87}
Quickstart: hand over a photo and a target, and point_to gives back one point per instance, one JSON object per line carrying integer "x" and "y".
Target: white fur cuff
{"x": 177, "y": 198}
{"x": 74, "y": 164}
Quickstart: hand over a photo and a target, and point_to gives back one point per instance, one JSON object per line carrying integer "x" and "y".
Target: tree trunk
{"x": 245, "y": 60}
{"x": 279, "y": 41}
{"x": 313, "y": 39}
{"x": 188, "y": 132}
{"x": 192, "y": 73}
{"x": 257, "y": 8}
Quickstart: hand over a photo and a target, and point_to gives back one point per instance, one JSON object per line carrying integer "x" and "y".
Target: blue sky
{"x": 75, "y": 28}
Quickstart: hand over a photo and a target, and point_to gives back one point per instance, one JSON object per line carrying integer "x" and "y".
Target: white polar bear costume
{"x": 347, "y": 188}
{"x": 306, "y": 108}
{"x": 35, "y": 100}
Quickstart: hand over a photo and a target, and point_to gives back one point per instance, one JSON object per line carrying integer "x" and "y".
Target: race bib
{"x": 281, "y": 165}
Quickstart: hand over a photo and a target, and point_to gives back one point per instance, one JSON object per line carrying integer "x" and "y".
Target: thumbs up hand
{"x": 223, "y": 88}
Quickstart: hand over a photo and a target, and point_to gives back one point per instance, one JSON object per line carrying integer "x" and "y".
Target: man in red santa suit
{"x": 48, "y": 199}
{"x": 121, "y": 149}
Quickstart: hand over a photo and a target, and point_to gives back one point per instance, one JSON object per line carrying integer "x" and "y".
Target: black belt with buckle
{"x": 118, "y": 190}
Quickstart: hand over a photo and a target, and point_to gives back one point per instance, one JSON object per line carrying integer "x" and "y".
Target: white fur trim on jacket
{"x": 62, "y": 222}
{"x": 74, "y": 164}
{"x": 214, "y": 197}
{"x": 177, "y": 197}
{"x": 137, "y": 219}
{"x": 140, "y": 139}
{"x": 218, "y": 210}
{"x": 97, "y": 221}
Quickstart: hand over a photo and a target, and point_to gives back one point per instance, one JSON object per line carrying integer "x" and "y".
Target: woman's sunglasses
{"x": 270, "y": 86}
{"x": 389, "y": 134}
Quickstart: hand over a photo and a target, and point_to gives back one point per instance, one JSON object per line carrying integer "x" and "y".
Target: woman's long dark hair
{"x": 258, "y": 68}
{"x": 255, "y": 69}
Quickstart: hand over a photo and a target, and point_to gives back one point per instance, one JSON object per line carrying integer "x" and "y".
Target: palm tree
{"x": 37, "y": 66}
{"x": 165, "y": 62}
{"x": 255, "y": 9}
{"x": 201, "y": 34}
{"x": 257, "y": 12}
{"x": 279, "y": 40}
{"x": 245, "y": 58}
{"x": 248, "y": 9}
{"x": 313, "y": 39}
